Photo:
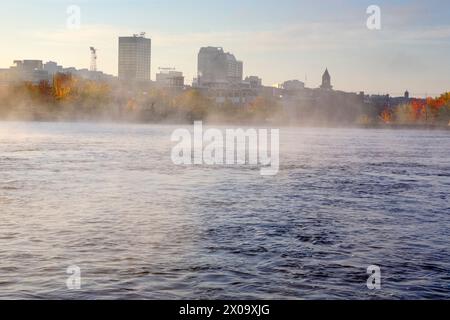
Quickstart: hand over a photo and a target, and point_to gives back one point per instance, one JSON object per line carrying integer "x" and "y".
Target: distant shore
{"x": 72, "y": 99}
{"x": 405, "y": 126}
{"x": 242, "y": 123}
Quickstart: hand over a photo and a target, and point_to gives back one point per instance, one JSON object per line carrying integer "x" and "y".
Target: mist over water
{"x": 107, "y": 198}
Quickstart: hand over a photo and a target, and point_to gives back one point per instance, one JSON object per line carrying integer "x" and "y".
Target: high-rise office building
{"x": 135, "y": 58}
{"x": 216, "y": 67}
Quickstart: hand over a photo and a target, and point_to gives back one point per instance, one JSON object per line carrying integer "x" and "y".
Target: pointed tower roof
{"x": 326, "y": 81}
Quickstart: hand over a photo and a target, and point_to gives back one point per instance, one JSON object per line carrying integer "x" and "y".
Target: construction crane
{"x": 93, "y": 59}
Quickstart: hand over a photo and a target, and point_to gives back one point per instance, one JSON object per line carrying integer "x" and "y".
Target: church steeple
{"x": 326, "y": 81}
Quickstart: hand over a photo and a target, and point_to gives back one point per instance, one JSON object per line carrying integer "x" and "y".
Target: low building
{"x": 90, "y": 75}
{"x": 53, "y": 68}
{"x": 35, "y": 71}
{"x": 29, "y": 71}
{"x": 170, "y": 79}
{"x": 254, "y": 82}
{"x": 293, "y": 85}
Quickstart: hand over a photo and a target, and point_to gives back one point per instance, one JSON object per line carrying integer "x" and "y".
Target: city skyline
{"x": 276, "y": 42}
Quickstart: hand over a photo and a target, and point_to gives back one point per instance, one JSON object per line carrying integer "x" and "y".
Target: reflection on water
{"x": 108, "y": 199}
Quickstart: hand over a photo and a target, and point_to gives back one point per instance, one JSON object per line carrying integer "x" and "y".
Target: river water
{"x": 108, "y": 199}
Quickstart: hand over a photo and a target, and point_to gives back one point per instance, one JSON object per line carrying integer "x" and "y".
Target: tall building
{"x": 218, "y": 68}
{"x": 326, "y": 81}
{"x": 135, "y": 58}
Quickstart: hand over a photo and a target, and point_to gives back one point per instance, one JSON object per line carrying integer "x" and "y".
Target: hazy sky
{"x": 277, "y": 40}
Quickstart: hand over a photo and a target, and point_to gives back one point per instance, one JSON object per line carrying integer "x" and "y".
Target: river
{"x": 108, "y": 199}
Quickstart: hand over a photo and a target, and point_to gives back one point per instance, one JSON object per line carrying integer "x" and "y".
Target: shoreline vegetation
{"x": 71, "y": 99}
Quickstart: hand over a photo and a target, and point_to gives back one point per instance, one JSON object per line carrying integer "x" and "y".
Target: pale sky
{"x": 277, "y": 40}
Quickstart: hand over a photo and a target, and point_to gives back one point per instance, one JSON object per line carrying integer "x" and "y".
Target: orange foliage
{"x": 418, "y": 108}
{"x": 386, "y": 116}
{"x": 63, "y": 85}
{"x": 430, "y": 109}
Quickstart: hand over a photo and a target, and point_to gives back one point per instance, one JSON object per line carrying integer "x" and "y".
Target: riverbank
{"x": 240, "y": 123}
